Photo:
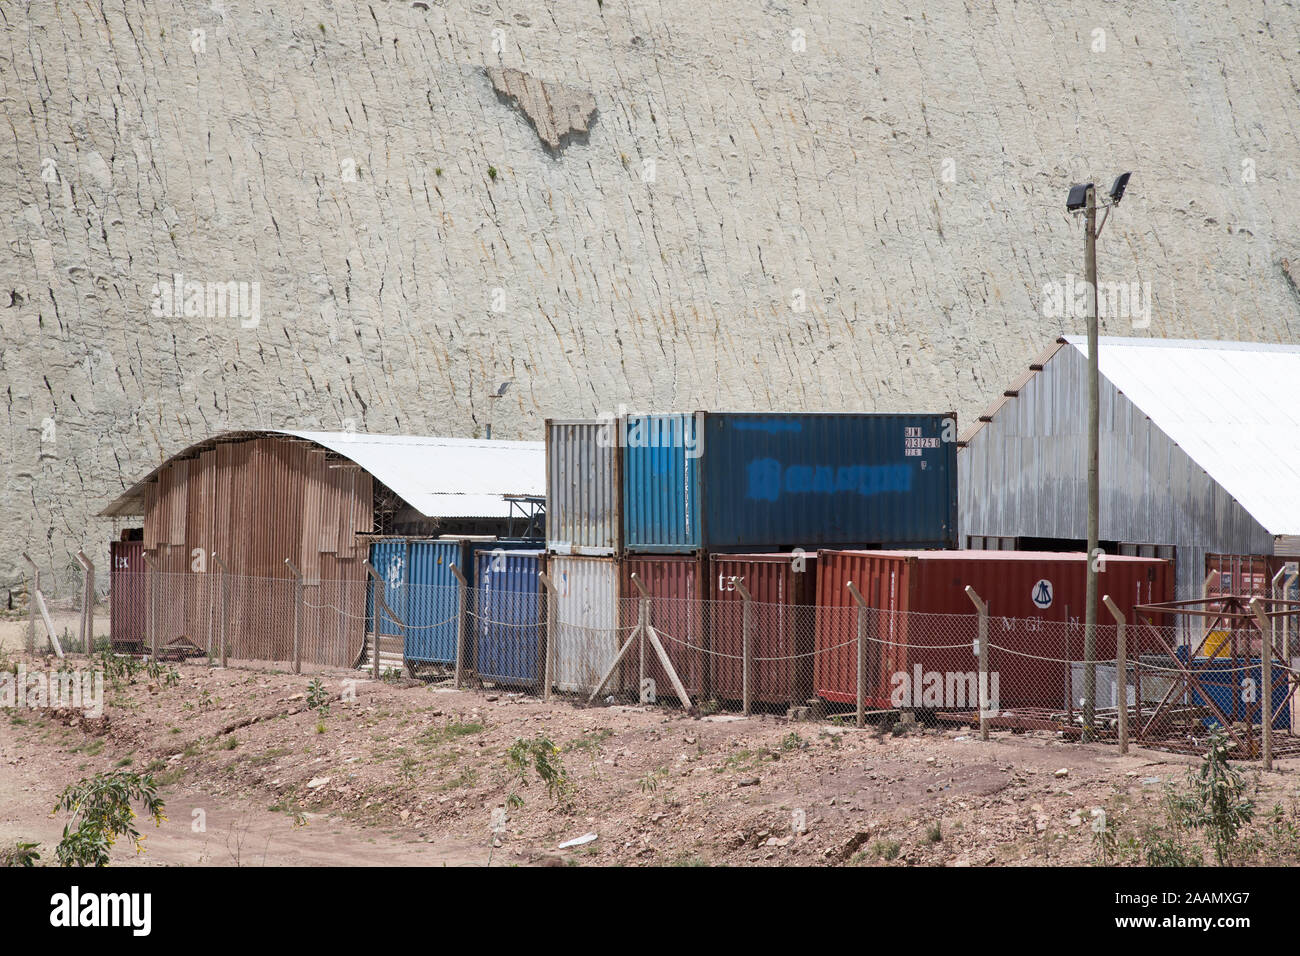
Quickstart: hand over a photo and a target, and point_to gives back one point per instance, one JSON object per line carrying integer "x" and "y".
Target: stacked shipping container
{"x": 755, "y": 481}
{"x": 783, "y": 590}
{"x": 510, "y": 620}
{"x": 655, "y": 494}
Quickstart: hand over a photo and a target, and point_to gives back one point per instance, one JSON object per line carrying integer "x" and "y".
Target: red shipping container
{"x": 127, "y": 601}
{"x": 676, "y": 586}
{"x": 781, "y": 640}
{"x": 924, "y": 624}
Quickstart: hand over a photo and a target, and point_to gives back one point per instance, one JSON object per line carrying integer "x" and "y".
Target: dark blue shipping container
{"x": 509, "y": 627}
{"x": 423, "y": 592}
{"x": 737, "y": 481}
{"x": 1235, "y": 688}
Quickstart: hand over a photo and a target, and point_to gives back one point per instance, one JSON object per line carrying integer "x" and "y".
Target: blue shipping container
{"x": 510, "y": 632}
{"x": 1235, "y": 689}
{"x": 736, "y": 481}
{"x": 422, "y": 591}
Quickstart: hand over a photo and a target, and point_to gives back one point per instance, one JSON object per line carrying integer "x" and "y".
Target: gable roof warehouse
{"x": 255, "y": 499}
{"x": 1200, "y": 452}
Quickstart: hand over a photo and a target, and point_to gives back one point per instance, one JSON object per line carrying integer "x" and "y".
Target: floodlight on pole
{"x": 1084, "y": 198}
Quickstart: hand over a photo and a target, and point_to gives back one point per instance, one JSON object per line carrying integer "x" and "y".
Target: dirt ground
{"x": 411, "y": 773}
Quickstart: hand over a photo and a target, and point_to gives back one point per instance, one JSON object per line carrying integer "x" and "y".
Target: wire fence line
{"x": 738, "y": 655}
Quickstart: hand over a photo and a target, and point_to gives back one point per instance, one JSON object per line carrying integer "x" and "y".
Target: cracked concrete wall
{"x": 841, "y": 205}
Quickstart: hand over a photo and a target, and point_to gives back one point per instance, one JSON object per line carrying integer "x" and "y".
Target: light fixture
{"x": 1117, "y": 190}
{"x": 1078, "y": 197}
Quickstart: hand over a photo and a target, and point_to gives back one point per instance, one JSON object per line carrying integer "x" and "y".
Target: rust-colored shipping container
{"x": 783, "y": 591}
{"x": 922, "y": 623}
{"x": 126, "y": 596}
{"x": 676, "y": 586}
{"x": 1251, "y": 575}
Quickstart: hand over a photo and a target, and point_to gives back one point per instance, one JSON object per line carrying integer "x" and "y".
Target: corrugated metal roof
{"x": 438, "y": 477}
{"x": 1231, "y": 406}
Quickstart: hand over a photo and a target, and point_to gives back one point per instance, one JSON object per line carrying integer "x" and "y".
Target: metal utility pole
{"x": 1094, "y": 476}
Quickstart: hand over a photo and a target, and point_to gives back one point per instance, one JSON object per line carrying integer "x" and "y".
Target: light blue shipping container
{"x": 509, "y": 627}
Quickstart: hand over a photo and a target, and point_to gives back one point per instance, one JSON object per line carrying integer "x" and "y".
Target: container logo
{"x": 1042, "y": 594}
{"x": 768, "y": 479}
{"x": 394, "y": 576}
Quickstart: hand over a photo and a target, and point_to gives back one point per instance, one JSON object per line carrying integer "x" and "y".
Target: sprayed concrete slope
{"x": 842, "y": 205}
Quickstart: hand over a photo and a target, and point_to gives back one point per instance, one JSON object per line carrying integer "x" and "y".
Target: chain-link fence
{"x": 1145, "y": 680}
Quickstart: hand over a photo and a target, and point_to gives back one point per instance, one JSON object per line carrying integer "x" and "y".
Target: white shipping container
{"x": 585, "y": 634}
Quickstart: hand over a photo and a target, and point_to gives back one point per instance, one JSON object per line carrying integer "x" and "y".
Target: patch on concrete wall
{"x": 558, "y": 112}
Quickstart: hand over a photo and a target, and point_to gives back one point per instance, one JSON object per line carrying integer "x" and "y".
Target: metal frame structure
{"x": 1177, "y": 723}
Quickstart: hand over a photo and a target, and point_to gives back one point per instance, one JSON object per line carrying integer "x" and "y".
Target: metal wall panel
{"x": 586, "y": 629}
{"x": 1024, "y": 475}
{"x": 583, "y": 488}
{"x": 676, "y": 587}
{"x": 781, "y": 641}
{"x": 127, "y": 595}
{"x": 661, "y": 484}
{"x": 433, "y": 603}
{"x": 922, "y": 616}
{"x": 255, "y": 503}
{"x": 510, "y": 627}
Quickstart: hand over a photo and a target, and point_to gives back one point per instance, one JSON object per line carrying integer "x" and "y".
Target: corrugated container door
{"x": 583, "y": 490}
{"x": 782, "y": 587}
{"x": 817, "y": 480}
{"x": 677, "y": 615}
{"x": 432, "y": 601}
{"x": 510, "y": 623}
{"x": 661, "y": 483}
{"x": 586, "y": 630}
{"x": 127, "y": 595}
{"x": 388, "y": 558}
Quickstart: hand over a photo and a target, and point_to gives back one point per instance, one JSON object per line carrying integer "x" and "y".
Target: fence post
{"x": 31, "y": 604}
{"x": 551, "y": 627}
{"x": 381, "y": 602}
{"x": 643, "y": 620}
{"x": 297, "y": 616}
{"x": 657, "y": 645}
{"x": 87, "y": 601}
{"x": 463, "y": 586}
{"x": 1121, "y": 671}
{"x": 151, "y": 582}
{"x": 225, "y": 609}
{"x": 862, "y": 652}
{"x": 746, "y": 645}
{"x": 1265, "y": 680}
{"x": 982, "y": 610}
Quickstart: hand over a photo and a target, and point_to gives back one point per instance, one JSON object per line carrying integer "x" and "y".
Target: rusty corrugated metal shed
{"x": 438, "y": 477}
